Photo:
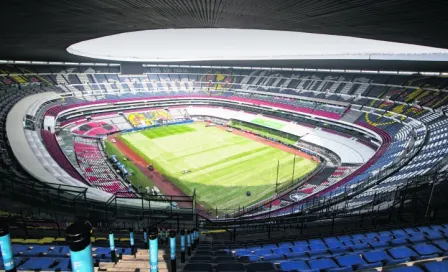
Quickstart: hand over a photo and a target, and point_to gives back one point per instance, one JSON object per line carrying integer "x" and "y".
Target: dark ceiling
{"x": 42, "y": 30}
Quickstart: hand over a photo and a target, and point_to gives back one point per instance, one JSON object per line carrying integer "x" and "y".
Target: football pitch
{"x": 222, "y": 166}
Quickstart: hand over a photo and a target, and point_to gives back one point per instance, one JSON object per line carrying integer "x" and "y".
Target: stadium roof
{"x": 43, "y": 31}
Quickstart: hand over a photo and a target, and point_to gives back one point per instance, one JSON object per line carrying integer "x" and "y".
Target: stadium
{"x": 223, "y": 136}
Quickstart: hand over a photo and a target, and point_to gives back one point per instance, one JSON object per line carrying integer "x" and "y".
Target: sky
{"x": 244, "y": 44}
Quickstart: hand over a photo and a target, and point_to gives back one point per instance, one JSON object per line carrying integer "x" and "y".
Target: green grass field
{"x": 223, "y": 165}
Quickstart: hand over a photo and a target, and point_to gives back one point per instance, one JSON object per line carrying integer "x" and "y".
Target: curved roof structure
{"x": 43, "y": 31}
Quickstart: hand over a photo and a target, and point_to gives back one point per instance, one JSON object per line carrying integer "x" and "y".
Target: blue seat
{"x": 317, "y": 249}
{"x": 270, "y": 246}
{"x": 253, "y": 248}
{"x": 63, "y": 265}
{"x": 296, "y": 256}
{"x": 348, "y": 243}
{"x": 299, "y": 249}
{"x": 368, "y": 240}
{"x": 322, "y": 264}
{"x": 384, "y": 238}
{"x": 340, "y": 269}
{"x": 354, "y": 260}
{"x": 427, "y": 250}
{"x": 36, "y": 263}
{"x": 410, "y": 230}
{"x": 377, "y": 256}
{"x": 437, "y": 228}
{"x": 294, "y": 266}
{"x": 242, "y": 252}
{"x": 435, "y": 236}
{"x": 358, "y": 236}
{"x": 385, "y": 233}
{"x": 402, "y": 252}
{"x": 18, "y": 249}
{"x": 380, "y": 245}
{"x": 436, "y": 266}
{"x": 417, "y": 239}
{"x": 337, "y": 247}
{"x": 424, "y": 229}
{"x": 285, "y": 244}
{"x": 301, "y": 244}
{"x": 59, "y": 252}
{"x": 262, "y": 252}
{"x": 406, "y": 269}
{"x": 281, "y": 250}
{"x": 372, "y": 235}
{"x": 329, "y": 240}
{"x": 360, "y": 248}
{"x": 262, "y": 266}
{"x": 249, "y": 259}
{"x": 315, "y": 241}
{"x": 443, "y": 245}
{"x": 399, "y": 232}
{"x": 399, "y": 242}
{"x": 344, "y": 238}
{"x": 273, "y": 258}
{"x": 36, "y": 251}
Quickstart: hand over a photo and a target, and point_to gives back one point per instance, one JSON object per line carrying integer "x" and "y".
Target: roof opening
{"x": 175, "y": 45}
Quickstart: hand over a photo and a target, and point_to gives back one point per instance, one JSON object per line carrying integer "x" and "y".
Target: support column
{"x": 173, "y": 250}
{"x": 78, "y": 240}
{"x": 131, "y": 240}
{"x": 188, "y": 243}
{"x": 112, "y": 246}
{"x": 6, "y": 248}
{"x": 153, "y": 250}
{"x": 145, "y": 238}
{"x": 182, "y": 246}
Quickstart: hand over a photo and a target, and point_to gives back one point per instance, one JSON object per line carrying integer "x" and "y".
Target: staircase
{"x": 85, "y": 81}
{"x": 361, "y": 89}
{"x": 139, "y": 262}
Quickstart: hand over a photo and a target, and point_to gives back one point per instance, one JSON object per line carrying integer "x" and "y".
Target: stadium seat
{"x": 322, "y": 264}
{"x": 273, "y": 258}
{"x": 406, "y": 269}
{"x": 230, "y": 267}
{"x": 203, "y": 253}
{"x": 63, "y": 265}
{"x": 436, "y": 266}
{"x": 200, "y": 259}
{"x": 354, "y": 260}
{"x": 242, "y": 252}
{"x": 198, "y": 267}
{"x": 282, "y": 250}
{"x": 270, "y": 246}
{"x": 294, "y": 266}
{"x": 296, "y": 256}
{"x": 376, "y": 256}
{"x": 262, "y": 266}
{"x": 426, "y": 250}
{"x": 225, "y": 259}
{"x": 402, "y": 252}
{"x": 37, "y": 263}
{"x": 262, "y": 252}
{"x": 249, "y": 259}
